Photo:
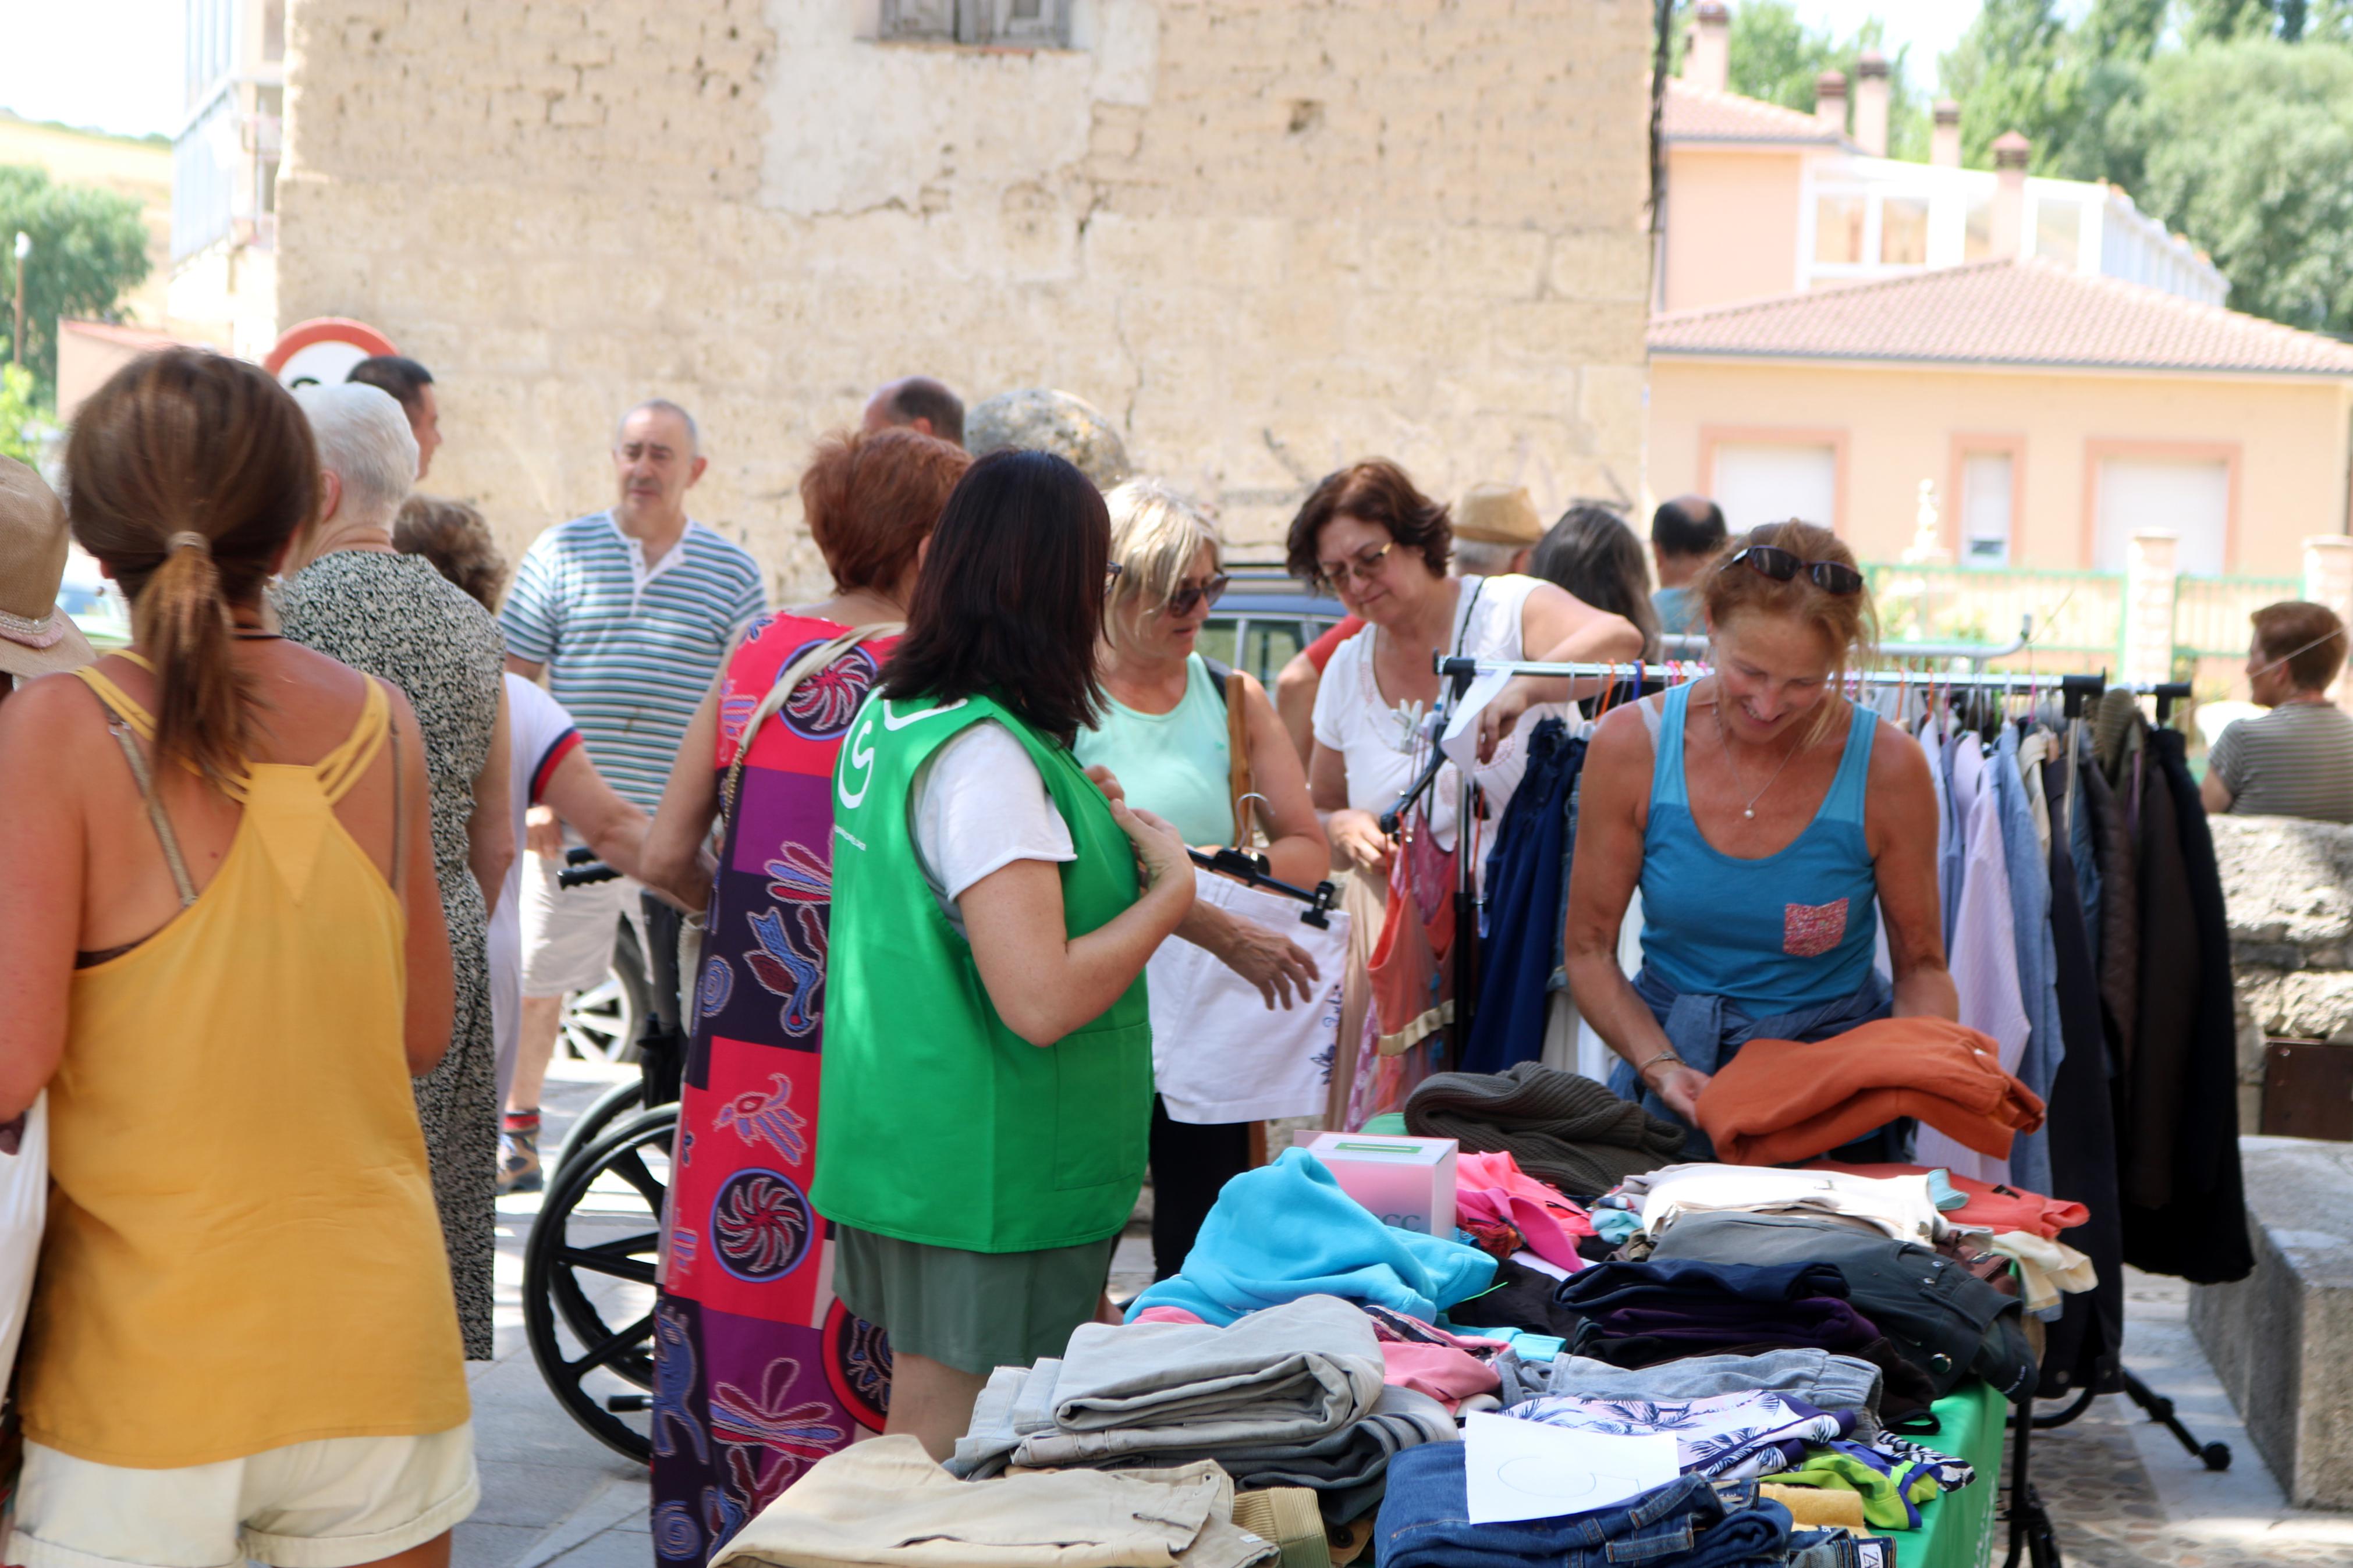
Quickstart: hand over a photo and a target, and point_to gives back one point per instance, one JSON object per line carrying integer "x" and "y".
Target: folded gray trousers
{"x": 1289, "y": 1396}
{"x": 1286, "y": 1375}
{"x": 1821, "y": 1378}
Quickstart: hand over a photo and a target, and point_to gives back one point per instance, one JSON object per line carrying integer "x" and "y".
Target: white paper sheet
{"x": 1460, "y": 742}
{"x": 1516, "y": 1469}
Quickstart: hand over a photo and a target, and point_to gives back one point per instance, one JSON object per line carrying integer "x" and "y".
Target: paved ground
{"x": 2123, "y": 1492}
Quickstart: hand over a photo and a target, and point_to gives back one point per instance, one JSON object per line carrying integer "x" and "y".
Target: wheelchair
{"x": 589, "y": 1264}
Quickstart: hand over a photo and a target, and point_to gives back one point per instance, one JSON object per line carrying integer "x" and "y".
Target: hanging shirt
{"x": 1984, "y": 959}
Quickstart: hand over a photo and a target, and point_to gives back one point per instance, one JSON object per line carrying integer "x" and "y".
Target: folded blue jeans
{"x": 1424, "y": 1523}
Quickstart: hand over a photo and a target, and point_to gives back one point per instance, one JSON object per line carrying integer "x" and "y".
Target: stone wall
{"x": 1265, "y": 236}
{"x": 2288, "y": 886}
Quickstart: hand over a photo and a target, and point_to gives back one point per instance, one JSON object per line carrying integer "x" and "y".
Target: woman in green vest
{"x": 988, "y": 1072}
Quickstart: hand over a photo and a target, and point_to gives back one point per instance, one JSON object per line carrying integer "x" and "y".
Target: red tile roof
{"x": 1696, "y": 114}
{"x": 2002, "y": 313}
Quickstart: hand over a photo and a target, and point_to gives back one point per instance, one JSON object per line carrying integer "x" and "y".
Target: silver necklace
{"x": 1725, "y": 737}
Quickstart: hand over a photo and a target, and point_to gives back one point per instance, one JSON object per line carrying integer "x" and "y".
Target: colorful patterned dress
{"x": 759, "y": 1372}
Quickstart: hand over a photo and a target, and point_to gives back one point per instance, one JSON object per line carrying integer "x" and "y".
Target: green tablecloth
{"x": 1959, "y": 1530}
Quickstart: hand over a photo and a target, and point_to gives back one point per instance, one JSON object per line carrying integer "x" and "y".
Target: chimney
{"x": 1829, "y": 101}
{"x": 1708, "y": 61}
{"x": 2009, "y": 229}
{"x": 1944, "y": 140}
{"x": 1871, "y": 87}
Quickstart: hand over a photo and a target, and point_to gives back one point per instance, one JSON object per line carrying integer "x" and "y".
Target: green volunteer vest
{"x": 938, "y": 1123}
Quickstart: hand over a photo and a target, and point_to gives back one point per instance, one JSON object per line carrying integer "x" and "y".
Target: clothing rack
{"x": 2032, "y": 1534}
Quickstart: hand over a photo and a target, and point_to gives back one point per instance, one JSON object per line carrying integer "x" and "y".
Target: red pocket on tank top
{"x": 1808, "y": 930}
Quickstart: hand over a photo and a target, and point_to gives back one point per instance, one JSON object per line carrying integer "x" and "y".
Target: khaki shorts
{"x": 567, "y": 932}
{"x": 325, "y": 1504}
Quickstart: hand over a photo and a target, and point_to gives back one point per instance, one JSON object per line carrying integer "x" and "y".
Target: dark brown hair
{"x": 1591, "y": 552}
{"x": 1846, "y": 620}
{"x": 871, "y": 500}
{"x": 454, "y": 538}
{"x": 401, "y": 376}
{"x": 1375, "y": 491}
{"x": 1010, "y": 599}
{"x": 2306, "y": 636}
{"x": 189, "y": 441}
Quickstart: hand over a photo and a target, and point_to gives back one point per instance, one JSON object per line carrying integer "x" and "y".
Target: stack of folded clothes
{"x": 1564, "y": 1129}
{"x": 1637, "y": 1313}
{"x": 1291, "y": 1396}
{"x": 884, "y": 1503}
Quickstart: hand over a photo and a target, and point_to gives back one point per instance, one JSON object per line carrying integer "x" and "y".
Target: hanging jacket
{"x": 2200, "y": 1232}
{"x": 2157, "y": 1054}
{"x": 1521, "y": 926}
{"x": 2081, "y": 1348}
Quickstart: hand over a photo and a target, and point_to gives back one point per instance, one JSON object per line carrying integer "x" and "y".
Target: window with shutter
{"x": 1039, "y": 24}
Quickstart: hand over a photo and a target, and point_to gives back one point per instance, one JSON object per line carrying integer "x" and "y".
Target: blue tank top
{"x": 1794, "y": 929}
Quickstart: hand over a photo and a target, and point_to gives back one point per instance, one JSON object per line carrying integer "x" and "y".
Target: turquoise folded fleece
{"x": 1286, "y": 1230}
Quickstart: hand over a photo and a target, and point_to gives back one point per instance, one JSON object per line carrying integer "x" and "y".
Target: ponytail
{"x": 184, "y": 622}
{"x": 187, "y": 474}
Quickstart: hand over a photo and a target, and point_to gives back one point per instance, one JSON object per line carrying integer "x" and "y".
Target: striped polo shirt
{"x": 630, "y": 648}
{"x": 2294, "y": 761}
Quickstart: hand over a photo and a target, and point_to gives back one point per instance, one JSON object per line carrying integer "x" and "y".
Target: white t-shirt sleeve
{"x": 978, "y": 804}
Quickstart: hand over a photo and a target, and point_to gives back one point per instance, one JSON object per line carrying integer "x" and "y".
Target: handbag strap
{"x": 1238, "y": 773}
{"x": 800, "y": 670}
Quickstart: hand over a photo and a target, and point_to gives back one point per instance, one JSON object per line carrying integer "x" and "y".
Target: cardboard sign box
{"x": 1406, "y": 1182}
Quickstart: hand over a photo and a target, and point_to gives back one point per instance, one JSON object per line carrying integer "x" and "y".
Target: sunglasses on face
{"x": 1183, "y": 600}
{"x": 1363, "y": 569}
{"x": 1771, "y": 561}
{"x": 1111, "y": 576}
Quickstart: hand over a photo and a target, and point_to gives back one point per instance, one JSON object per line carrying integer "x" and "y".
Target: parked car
{"x": 1265, "y": 617}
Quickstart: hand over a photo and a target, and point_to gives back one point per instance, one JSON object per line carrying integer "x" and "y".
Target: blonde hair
{"x": 1155, "y": 534}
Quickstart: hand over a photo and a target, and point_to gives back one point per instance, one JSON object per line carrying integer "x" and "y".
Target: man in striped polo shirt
{"x": 2297, "y": 759}
{"x": 628, "y": 612}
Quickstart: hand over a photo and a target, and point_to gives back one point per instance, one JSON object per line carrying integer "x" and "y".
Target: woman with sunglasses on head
{"x": 1770, "y": 824}
{"x": 1164, "y": 733}
{"x": 1382, "y": 546}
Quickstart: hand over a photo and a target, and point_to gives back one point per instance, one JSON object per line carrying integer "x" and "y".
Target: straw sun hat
{"x": 37, "y": 637}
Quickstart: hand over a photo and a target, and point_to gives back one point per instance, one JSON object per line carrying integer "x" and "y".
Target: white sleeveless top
{"x": 1382, "y": 742}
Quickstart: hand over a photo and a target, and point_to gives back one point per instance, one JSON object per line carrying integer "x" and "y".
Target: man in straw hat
{"x": 37, "y": 637}
{"x": 1495, "y": 527}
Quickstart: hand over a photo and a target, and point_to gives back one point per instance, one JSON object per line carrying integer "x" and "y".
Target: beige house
{"x": 1266, "y": 237}
{"x": 1838, "y": 329}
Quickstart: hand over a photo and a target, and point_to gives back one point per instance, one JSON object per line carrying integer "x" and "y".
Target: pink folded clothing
{"x": 1167, "y": 1315}
{"x": 1493, "y": 1187}
{"x": 1446, "y": 1374}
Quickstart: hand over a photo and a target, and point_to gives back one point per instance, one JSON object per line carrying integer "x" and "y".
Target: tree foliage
{"x": 2227, "y": 120}
{"x": 88, "y": 246}
{"x": 21, "y": 424}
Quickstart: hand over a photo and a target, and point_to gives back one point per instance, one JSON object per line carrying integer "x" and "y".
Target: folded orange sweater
{"x": 1780, "y": 1100}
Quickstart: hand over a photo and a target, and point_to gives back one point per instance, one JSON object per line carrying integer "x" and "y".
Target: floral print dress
{"x": 758, "y": 1371}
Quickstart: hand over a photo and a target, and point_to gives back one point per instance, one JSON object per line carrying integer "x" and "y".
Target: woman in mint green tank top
{"x": 1164, "y": 733}
{"x": 1771, "y": 826}
{"x": 987, "y": 1077}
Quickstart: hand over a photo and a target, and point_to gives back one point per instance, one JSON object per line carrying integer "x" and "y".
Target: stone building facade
{"x": 1266, "y": 236}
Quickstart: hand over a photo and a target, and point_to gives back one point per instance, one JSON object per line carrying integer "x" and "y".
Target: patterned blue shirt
{"x": 630, "y": 650}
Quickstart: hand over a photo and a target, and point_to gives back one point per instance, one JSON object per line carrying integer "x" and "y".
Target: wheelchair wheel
{"x": 601, "y": 1025}
{"x": 589, "y": 1279}
{"x": 620, "y": 1101}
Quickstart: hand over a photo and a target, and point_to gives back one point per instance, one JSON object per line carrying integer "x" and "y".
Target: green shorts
{"x": 974, "y": 1312}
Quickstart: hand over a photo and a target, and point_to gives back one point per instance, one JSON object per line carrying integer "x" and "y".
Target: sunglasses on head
{"x": 1771, "y": 561}
{"x": 1182, "y": 601}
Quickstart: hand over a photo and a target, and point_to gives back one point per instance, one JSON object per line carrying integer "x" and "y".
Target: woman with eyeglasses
{"x": 1772, "y": 825}
{"x": 1165, "y": 733}
{"x": 1382, "y": 546}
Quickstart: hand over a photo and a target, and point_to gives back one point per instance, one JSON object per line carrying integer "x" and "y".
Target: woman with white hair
{"x": 1165, "y": 736}
{"x": 357, "y": 599}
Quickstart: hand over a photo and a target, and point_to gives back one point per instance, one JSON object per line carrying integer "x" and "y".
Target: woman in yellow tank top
{"x": 222, "y": 954}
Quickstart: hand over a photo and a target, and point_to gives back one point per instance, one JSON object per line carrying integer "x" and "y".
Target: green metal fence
{"x": 2078, "y": 616}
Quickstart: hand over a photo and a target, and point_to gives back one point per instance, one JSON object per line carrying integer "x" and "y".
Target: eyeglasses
{"x": 1363, "y": 569}
{"x": 1183, "y": 600}
{"x": 1771, "y": 561}
{"x": 1112, "y": 569}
